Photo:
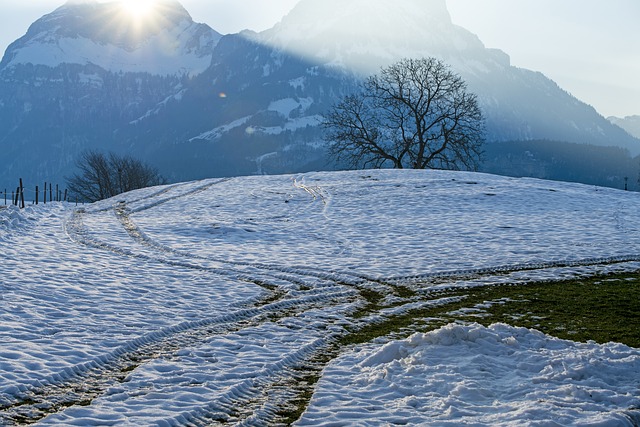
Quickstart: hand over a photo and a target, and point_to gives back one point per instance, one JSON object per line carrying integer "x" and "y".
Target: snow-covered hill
{"x": 210, "y": 300}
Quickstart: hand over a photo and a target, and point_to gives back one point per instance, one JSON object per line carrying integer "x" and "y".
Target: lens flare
{"x": 138, "y": 9}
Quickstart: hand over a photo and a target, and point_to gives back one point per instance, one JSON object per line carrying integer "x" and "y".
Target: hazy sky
{"x": 591, "y": 48}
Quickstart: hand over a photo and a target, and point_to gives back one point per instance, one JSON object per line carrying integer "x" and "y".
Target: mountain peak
{"x": 163, "y": 41}
{"x": 377, "y": 10}
{"x": 352, "y": 34}
{"x": 112, "y": 22}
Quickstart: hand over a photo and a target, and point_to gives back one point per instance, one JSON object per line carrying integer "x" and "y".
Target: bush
{"x": 106, "y": 175}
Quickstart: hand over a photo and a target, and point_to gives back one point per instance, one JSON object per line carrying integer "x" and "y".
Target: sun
{"x": 138, "y": 10}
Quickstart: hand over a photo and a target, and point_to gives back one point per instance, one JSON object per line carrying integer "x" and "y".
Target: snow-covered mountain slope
{"x": 108, "y": 35}
{"x": 211, "y": 300}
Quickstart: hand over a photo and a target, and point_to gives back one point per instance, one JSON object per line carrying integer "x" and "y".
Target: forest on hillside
{"x": 562, "y": 161}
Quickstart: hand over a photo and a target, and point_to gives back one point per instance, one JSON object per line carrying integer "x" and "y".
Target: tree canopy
{"x": 416, "y": 113}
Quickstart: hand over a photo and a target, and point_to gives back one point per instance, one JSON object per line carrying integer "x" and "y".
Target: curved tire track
{"x": 84, "y": 382}
{"x": 248, "y": 392}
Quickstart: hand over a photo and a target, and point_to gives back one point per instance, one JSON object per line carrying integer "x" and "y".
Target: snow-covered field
{"x": 209, "y": 302}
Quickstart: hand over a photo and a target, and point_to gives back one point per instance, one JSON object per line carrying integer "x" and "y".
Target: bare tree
{"x": 105, "y": 175}
{"x": 416, "y": 113}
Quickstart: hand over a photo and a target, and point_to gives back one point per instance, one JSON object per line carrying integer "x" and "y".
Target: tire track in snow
{"x": 254, "y": 390}
{"x": 453, "y": 275}
{"x": 356, "y": 279}
{"x": 198, "y": 189}
{"x": 226, "y": 407}
{"x": 123, "y": 212}
{"x": 292, "y": 275}
{"x": 250, "y": 388}
{"x": 78, "y": 232}
{"x": 81, "y": 383}
{"x": 168, "y": 189}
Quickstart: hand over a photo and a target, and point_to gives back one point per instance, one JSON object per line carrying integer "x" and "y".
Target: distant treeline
{"x": 564, "y": 161}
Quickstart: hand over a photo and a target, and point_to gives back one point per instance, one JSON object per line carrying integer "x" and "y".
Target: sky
{"x": 591, "y": 48}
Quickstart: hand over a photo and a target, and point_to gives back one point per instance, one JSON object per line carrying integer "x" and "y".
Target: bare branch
{"x": 102, "y": 176}
{"x": 414, "y": 113}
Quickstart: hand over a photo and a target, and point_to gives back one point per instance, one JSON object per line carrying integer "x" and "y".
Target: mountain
{"x": 197, "y": 104}
{"x": 363, "y": 36}
{"x": 107, "y": 35}
{"x": 293, "y": 72}
{"x": 630, "y": 123}
{"x": 84, "y": 71}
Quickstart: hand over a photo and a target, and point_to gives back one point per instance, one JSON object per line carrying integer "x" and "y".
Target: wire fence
{"x": 34, "y": 195}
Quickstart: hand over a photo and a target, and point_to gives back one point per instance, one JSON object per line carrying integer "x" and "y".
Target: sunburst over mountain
{"x": 152, "y": 37}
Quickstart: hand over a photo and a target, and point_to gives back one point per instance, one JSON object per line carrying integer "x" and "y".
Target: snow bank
{"x": 10, "y": 216}
{"x": 473, "y": 375}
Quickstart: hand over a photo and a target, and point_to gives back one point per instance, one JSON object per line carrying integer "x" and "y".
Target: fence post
{"x": 44, "y": 193}
{"x": 50, "y": 192}
{"x": 5, "y": 197}
{"x": 15, "y": 202}
{"x": 65, "y": 195}
{"x": 36, "y": 194}
{"x": 21, "y": 194}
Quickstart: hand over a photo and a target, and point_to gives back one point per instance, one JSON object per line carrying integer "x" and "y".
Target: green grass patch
{"x": 601, "y": 309}
{"x": 298, "y": 405}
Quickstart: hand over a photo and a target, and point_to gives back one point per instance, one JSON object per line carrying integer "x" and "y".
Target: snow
{"x": 218, "y": 132}
{"x": 165, "y": 53}
{"x": 292, "y": 125}
{"x": 473, "y": 375}
{"x": 286, "y": 106}
{"x": 201, "y": 301}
